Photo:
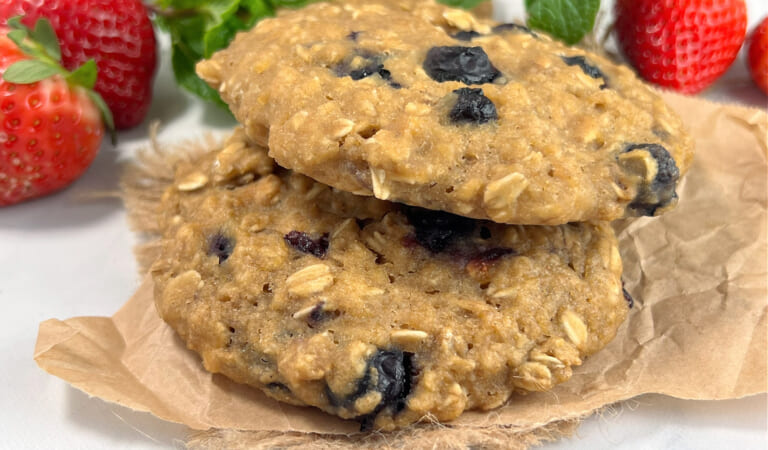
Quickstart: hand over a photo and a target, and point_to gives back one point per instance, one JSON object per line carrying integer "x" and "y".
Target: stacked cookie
{"x": 435, "y": 236}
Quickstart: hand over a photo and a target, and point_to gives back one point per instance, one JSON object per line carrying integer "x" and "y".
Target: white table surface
{"x": 66, "y": 255}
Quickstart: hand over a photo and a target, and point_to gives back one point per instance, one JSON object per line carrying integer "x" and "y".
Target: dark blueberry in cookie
{"x": 304, "y": 243}
{"x": 318, "y": 313}
{"x": 472, "y": 106}
{"x": 470, "y": 65}
{"x": 366, "y": 71}
{"x": 661, "y": 191}
{"x": 373, "y": 66}
{"x": 466, "y": 35}
{"x": 436, "y": 230}
{"x": 485, "y": 233}
{"x": 353, "y": 35}
{"x": 504, "y": 27}
{"x": 221, "y": 246}
{"x": 587, "y": 68}
{"x": 386, "y": 75}
{"x": 394, "y": 370}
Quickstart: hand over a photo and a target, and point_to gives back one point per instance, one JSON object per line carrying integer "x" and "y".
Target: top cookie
{"x": 414, "y": 102}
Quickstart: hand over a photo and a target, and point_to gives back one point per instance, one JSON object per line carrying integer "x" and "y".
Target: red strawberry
{"x": 684, "y": 45}
{"x": 757, "y": 56}
{"x": 51, "y": 124}
{"x": 117, "y": 34}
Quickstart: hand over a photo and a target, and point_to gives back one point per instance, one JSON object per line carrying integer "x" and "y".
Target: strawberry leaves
{"x": 42, "y": 46}
{"x": 567, "y": 20}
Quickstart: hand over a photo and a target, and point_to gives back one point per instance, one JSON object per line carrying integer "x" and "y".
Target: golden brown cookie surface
{"x": 372, "y": 310}
{"x": 418, "y": 103}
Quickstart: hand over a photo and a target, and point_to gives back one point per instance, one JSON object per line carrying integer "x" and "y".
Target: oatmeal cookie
{"x": 371, "y": 310}
{"x": 422, "y": 104}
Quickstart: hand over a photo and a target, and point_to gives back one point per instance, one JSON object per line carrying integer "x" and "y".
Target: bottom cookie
{"x": 370, "y": 310}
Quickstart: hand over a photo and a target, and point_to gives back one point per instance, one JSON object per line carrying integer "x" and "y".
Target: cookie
{"x": 371, "y": 310}
{"x": 422, "y": 104}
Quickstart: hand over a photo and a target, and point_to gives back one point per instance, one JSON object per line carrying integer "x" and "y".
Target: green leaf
{"x": 106, "y": 114}
{"x": 567, "y": 20}
{"x": 14, "y": 23}
{"x": 290, "y": 3}
{"x": 85, "y": 75}
{"x": 44, "y": 35}
{"x": 466, "y": 4}
{"x": 198, "y": 28}
{"x": 183, "y": 63}
{"x": 29, "y": 71}
{"x": 17, "y": 36}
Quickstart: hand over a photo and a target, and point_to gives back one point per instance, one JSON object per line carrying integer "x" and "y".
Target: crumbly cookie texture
{"x": 413, "y": 102}
{"x": 371, "y": 310}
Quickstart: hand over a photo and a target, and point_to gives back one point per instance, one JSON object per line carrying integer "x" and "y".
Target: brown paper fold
{"x": 697, "y": 331}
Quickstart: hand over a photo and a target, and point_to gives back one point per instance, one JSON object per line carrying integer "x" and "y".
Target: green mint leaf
{"x": 29, "y": 71}
{"x": 183, "y": 61}
{"x": 198, "y": 28}
{"x": 567, "y": 20}
{"x": 290, "y": 3}
{"x": 84, "y": 75}
{"x": 44, "y": 35}
{"x": 466, "y": 4}
{"x": 106, "y": 114}
{"x": 218, "y": 30}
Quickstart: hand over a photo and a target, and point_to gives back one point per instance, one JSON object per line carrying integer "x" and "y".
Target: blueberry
{"x": 366, "y": 71}
{"x": 587, "y": 68}
{"x": 318, "y": 313}
{"x": 472, "y": 107}
{"x": 384, "y": 73}
{"x": 504, "y": 27}
{"x": 466, "y": 35}
{"x": 373, "y": 66}
{"x": 436, "y": 230}
{"x": 394, "y": 380}
{"x": 221, "y": 246}
{"x": 304, "y": 243}
{"x": 661, "y": 191}
{"x": 470, "y": 65}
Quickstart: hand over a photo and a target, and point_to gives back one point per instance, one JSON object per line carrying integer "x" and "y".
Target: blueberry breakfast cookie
{"x": 371, "y": 310}
{"x": 418, "y": 103}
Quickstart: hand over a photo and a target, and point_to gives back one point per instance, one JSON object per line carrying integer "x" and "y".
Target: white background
{"x": 69, "y": 255}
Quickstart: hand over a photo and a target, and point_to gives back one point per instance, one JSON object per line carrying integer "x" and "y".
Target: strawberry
{"x": 51, "y": 123}
{"x": 757, "y": 55}
{"x": 117, "y": 34}
{"x": 683, "y": 45}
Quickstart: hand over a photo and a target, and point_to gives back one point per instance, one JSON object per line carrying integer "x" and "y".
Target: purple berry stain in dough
{"x": 221, "y": 246}
{"x": 304, "y": 243}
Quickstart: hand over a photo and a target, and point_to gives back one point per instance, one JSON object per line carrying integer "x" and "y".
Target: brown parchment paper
{"x": 697, "y": 330}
